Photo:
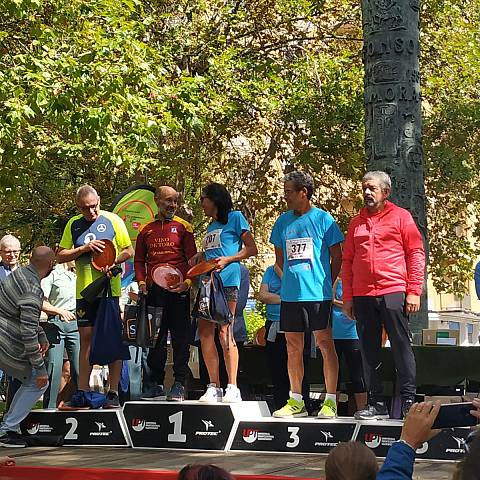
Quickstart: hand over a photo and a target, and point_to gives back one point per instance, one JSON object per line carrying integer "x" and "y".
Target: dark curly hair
{"x": 300, "y": 180}
{"x": 218, "y": 194}
{"x": 203, "y": 472}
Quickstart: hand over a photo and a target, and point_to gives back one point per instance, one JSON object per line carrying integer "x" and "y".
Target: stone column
{"x": 393, "y": 117}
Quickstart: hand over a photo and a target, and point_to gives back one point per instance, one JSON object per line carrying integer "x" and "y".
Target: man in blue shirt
{"x": 308, "y": 251}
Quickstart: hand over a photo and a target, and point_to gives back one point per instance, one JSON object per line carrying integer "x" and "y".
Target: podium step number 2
{"x": 79, "y": 427}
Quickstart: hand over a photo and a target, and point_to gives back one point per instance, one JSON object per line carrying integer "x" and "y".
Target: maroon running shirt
{"x": 160, "y": 242}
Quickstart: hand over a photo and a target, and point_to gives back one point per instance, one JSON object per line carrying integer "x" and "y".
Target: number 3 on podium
{"x": 294, "y": 438}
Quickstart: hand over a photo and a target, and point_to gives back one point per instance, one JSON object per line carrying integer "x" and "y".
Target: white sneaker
{"x": 232, "y": 394}
{"x": 213, "y": 394}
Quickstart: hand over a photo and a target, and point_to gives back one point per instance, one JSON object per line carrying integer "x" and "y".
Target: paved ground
{"x": 295, "y": 465}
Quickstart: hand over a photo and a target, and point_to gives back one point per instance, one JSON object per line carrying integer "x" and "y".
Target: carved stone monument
{"x": 393, "y": 117}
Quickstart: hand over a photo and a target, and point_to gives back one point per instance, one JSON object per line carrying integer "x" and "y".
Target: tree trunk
{"x": 393, "y": 116}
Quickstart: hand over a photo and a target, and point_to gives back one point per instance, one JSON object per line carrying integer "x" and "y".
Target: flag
{"x": 136, "y": 207}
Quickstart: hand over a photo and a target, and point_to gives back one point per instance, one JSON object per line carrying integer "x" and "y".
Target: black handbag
{"x": 141, "y": 323}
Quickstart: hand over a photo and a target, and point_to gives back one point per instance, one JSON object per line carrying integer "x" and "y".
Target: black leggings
{"x": 353, "y": 356}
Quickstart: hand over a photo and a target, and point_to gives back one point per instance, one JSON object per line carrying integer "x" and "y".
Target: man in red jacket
{"x": 383, "y": 273}
{"x": 167, "y": 240}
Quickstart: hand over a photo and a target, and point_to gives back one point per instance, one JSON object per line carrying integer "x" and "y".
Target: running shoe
{"x": 212, "y": 394}
{"x": 293, "y": 408}
{"x": 328, "y": 410}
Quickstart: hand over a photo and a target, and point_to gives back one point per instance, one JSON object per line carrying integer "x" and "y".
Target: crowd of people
{"x": 324, "y": 290}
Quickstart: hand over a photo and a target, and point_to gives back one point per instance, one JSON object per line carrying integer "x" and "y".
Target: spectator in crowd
{"x": 203, "y": 472}
{"x": 416, "y": 430}
{"x": 81, "y": 238}
{"x": 308, "y": 251}
{"x": 355, "y": 461}
{"x": 22, "y": 341}
{"x": 9, "y": 253}
{"x": 384, "y": 291}
{"x": 347, "y": 345}
{"x": 351, "y": 461}
{"x": 228, "y": 241}
{"x": 167, "y": 240}
{"x": 469, "y": 467}
{"x": 10, "y": 250}
{"x": 61, "y": 328}
{"x": 275, "y": 344}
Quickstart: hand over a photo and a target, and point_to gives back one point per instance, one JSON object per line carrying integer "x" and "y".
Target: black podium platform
{"x": 188, "y": 425}
{"x": 302, "y": 435}
{"x": 245, "y": 426}
{"x": 379, "y": 436}
{"x": 79, "y": 427}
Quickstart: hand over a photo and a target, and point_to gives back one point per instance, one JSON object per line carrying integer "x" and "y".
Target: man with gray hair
{"x": 22, "y": 341}
{"x": 308, "y": 253}
{"x": 83, "y": 236}
{"x": 383, "y": 274}
{"x": 9, "y": 253}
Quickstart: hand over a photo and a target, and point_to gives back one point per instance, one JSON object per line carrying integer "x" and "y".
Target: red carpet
{"x": 60, "y": 473}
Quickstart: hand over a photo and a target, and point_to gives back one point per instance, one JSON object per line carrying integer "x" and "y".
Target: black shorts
{"x": 87, "y": 312}
{"x": 305, "y": 316}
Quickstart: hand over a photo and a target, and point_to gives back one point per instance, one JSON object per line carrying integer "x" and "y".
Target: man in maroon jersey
{"x": 168, "y": 239}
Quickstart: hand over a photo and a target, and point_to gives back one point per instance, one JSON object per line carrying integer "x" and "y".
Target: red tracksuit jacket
{"x": 383, "y": 253}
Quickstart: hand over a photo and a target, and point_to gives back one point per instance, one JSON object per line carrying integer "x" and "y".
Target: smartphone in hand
{"x": 455, "y": 415}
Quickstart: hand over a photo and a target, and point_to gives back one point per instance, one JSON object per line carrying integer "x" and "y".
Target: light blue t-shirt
{"x": 272, "y": 280}
{"x": 343, "y": 327}
{"x": 224, "y": 241}
{"x": 305, "y": 241}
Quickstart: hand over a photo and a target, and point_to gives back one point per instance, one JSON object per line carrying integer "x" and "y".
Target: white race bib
{"x": 300, "y": 248}
{"x": 212, "y": 240}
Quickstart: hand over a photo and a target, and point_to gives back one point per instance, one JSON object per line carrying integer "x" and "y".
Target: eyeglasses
{"x": 86, "y": 208}
{"x": 11, "y": 252}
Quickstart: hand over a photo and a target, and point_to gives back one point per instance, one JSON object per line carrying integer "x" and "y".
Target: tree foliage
{"x": 112, "y": 92}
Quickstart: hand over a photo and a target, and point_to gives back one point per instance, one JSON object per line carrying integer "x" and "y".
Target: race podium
{"x": 189, "y": 425}
{"x": 299, "y": 435}
{"x": 245, "y": 426}
{"x": 449, "y": 444}
{"x": 79, "y": 427}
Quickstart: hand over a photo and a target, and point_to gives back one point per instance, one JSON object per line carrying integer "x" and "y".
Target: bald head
{"x": 165, "y": 191}
{"x": 43, "y": 259}
{"x": 166, "y": 199}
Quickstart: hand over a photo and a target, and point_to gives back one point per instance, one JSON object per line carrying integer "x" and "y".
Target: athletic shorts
{"x": 305, "y": 316}
{"x": 87, "y": 312}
